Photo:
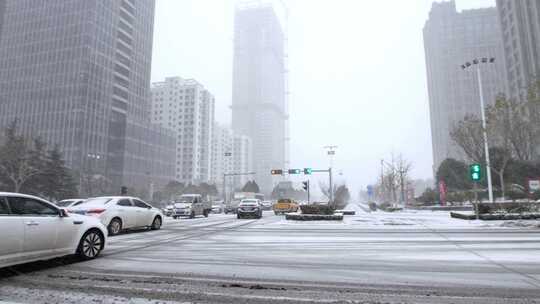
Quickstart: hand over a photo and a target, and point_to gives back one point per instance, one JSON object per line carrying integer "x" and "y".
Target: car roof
{"x": 22, "y": 195}
{"x": 115, "y": 197}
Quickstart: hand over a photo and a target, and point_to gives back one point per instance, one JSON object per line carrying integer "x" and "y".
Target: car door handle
{"x": 32, "y": 224}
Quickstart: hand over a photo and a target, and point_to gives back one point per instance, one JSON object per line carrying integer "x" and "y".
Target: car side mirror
{"x": 63, "y": 213}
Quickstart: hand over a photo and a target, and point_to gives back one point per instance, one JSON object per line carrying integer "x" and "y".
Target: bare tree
{"x": 17, "y": 160}
{"x": 510, "y": 134}
{"x": 403, "y": 167}
{"x": 467, "y": 134}
{"x": 325, "y": 189}
{"x": 503, "y": 124}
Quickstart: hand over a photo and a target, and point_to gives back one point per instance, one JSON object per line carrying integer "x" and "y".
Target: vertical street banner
{"x": 442, "y": 192}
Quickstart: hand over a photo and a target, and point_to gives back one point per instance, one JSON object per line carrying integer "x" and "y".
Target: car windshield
{"x": 182, "y": 203}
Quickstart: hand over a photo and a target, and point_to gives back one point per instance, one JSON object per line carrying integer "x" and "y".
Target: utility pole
{"x": 486, "y": 147}
{"x": 308, "y": 190}
{"x": 382, "y": 179}
{"x": 331, "y": 194}
{"x": 331, "y": 151}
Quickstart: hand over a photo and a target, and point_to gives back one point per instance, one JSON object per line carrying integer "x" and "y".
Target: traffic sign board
{"x": 369, "y": 190}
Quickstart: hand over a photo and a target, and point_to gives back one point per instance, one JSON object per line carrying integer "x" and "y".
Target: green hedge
{"x": 317, "y": 209}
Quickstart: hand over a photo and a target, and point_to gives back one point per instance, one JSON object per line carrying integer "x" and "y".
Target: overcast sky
{"x": 357, "y": 76}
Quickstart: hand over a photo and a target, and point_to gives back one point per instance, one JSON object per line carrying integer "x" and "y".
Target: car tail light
{"x": 95, "y": 212}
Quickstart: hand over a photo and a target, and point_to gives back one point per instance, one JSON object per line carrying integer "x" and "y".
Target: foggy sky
{"x": 357, "y": 76}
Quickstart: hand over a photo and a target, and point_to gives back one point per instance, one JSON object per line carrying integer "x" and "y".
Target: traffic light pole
{"x": 308, "y": 190}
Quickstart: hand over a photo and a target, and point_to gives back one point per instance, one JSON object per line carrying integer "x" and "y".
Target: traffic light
{"x": 308, "y": 171}
{"x": 305, "y": 185}
{"x": 277, "y": 172}
{"x": 294, "y": 171}
{"x": 475, "y": 172}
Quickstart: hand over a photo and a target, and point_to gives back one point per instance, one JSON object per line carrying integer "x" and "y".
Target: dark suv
{"x": 249, "y": 208}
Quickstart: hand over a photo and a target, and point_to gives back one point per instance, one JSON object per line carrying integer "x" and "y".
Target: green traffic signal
{"x": 475, "y": 172}
{"x": 294, "y": 171}
{"x": 308, "y": 170}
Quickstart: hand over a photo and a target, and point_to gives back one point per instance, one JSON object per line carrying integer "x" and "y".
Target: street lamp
{"x": 477, "y": 63}
{"x": 331, "y": 151}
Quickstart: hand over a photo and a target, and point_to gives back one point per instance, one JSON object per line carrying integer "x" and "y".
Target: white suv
{"x": 34, "y": 229}
{"x": 121, "y": 212}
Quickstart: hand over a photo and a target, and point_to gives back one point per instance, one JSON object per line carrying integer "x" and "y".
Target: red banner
{"x": 442, "y": 192}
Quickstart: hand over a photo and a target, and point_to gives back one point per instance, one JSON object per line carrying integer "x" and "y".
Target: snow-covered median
{"x": 407, "y": 219}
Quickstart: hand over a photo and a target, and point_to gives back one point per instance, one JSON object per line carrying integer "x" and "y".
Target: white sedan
{"x": 121, "y": 212}
{"x": 32, "y": 229}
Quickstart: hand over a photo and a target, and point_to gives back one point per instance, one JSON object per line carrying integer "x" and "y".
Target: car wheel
{"x": 238, "y": 216}
{"x": 192, "y": 215}
{"x": 205, "y": 213}
{"x": 115, "y": 226}
{"x": 174, "y": 217}
{"x": 156, "y": 224}
{"x": 90, "y": 245}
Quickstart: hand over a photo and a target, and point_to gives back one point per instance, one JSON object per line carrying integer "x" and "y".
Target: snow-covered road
{"x": 417, "y": 251}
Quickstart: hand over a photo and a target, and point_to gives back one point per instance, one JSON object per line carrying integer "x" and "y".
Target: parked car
{"x": 34, "y": 229}
{"x": 249, "y": 208}
{"x": 267, "y": 205}
{"x": 191, "y": 205}
{"x": 118, "y": 213}
{"x": 70, "y": 202}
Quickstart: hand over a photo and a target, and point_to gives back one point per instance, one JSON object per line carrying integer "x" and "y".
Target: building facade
{"x": 259, "y": 108}
{"x": 231, "y": 154}
{"x": 77, "y": 74}
{"x": 452, "y": 38}
{"x": 222, "y": 154}
{"x": 520, "y": 26}
{"x": 242, "y": 160}
{"x": 187, "y": 108}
